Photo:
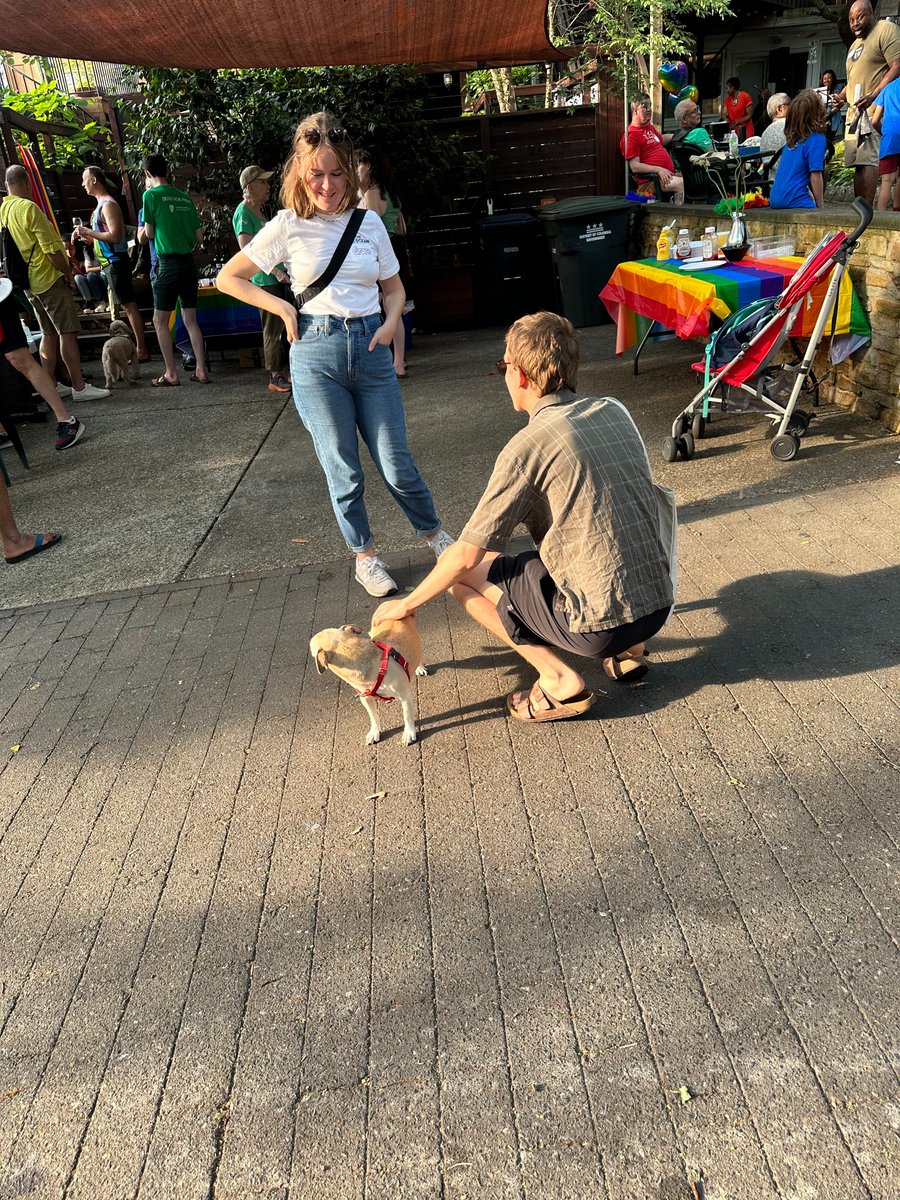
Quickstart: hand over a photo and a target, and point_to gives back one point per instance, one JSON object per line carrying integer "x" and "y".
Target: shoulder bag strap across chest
{"x": 340, "y": 253}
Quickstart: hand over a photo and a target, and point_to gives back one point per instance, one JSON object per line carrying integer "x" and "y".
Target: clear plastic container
{"x": 772, "y": 246}
{"x": 683, "y": 244}
{"x": 709, "y": 244}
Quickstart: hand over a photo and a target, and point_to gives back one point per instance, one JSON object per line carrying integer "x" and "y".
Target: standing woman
{"x": 247, "y": 221}
{"x": 379, "y": 194}
{"x": 737, "y": 108}
{"x": 342, "y": 374}
{"x": 834, "y": 129}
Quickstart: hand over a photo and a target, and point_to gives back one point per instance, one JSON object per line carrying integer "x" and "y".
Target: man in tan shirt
{"x": 578, "y": 478}
{"x": 873, "y": 61}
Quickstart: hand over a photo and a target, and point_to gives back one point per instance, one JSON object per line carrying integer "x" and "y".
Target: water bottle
{"x": 733, "y": 144}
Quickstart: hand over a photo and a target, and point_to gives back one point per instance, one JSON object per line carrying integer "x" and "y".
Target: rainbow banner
{"x": 38, "y": 191}
{"x": 218, "y": 315}
{"x": 686, "y": 301}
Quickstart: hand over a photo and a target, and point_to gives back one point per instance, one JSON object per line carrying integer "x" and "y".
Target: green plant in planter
{"x": 838, "y": 174}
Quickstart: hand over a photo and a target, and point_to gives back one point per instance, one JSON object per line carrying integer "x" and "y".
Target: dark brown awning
{"x": 281, "y": 33}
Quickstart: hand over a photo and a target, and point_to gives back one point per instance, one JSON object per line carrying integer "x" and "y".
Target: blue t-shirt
{"x": 791, "y": 186}
{"x": 890, "y": 119}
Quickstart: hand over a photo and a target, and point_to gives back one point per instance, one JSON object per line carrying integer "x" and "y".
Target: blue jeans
{"x": 341, "y": 390}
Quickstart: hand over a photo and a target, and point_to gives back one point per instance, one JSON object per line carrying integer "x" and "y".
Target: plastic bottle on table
{"x": 664, "y": 245}
{"x": 709, "y": 244}
{"x": 733, "y": 144}
{"x": 683, "y": 245}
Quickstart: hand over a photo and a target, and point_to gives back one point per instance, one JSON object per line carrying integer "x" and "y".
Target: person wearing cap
{"x": 248, "y": 220}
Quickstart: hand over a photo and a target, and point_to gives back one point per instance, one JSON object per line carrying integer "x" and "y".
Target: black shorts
{"x": 531, "y": 611}
{"x": 118, "y": 279}
{"x": 176, "y": 279}
{"x": 12, "y": 335}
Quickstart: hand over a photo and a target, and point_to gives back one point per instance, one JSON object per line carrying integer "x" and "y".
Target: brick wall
{"x": 869, "y": 382}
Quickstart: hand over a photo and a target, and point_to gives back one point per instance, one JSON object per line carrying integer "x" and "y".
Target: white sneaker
{"x": 373, "y": 575}
{"x": 62, "y": 391}
{"x": 89, "y": 392}
{"x": 440, "y": 542}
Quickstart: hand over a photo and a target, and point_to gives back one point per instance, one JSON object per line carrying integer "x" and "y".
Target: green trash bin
{"x": 588, "y": 238}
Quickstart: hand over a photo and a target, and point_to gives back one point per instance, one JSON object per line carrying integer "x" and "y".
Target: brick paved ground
{"x": 243, "y": 955}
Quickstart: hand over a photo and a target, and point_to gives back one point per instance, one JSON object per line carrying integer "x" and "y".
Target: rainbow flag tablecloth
{"x": 218, "y": 315}
{"x": 686, "y": 301}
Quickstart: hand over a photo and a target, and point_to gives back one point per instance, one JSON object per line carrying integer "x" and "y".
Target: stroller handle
{"x": 863, "y": 210}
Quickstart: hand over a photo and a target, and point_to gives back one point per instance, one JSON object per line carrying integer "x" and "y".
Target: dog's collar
{"x": 387, "y": 653}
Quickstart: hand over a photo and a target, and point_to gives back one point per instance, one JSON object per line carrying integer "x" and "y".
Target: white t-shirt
{"x": 305, "y": 246}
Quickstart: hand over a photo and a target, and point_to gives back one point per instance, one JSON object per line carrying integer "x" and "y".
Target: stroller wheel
{"x": 669, "y": 449}
{"x": 679, "y": 426}
{"x": 799, "y": 422}
{"x": 785, "y": 447}
{"x": 686, "y": 445}
{"x": 698, "y": 426}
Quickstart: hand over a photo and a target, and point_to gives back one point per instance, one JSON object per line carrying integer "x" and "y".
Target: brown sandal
{"x": 536, "y": 705}
{"x": 163, "y": 382}
{"x": 628, "y": 670}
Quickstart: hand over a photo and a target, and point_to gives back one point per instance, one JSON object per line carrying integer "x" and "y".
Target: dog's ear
{"x": 351, "y": 629}
{"x": 321, "y": 662}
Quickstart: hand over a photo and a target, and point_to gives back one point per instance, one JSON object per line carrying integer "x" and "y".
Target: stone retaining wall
{"x": 869, "y": 382}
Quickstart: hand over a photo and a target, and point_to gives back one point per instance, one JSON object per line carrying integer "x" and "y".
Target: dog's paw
{"x": 373, "y": 736}
{"x": 408, "y": 737}
{"x": 421, "y": 669}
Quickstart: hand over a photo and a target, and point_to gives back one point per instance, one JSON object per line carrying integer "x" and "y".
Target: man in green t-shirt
{"x": 171, "y": 221}
{"x": 688, "y": 117}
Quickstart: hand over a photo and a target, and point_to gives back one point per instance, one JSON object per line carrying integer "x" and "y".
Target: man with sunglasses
{"x": 578, "y": 477}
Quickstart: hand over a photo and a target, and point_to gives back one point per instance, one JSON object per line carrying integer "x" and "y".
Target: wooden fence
{"x": 526, "y": 160}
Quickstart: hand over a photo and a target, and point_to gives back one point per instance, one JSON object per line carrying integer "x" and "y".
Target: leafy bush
{"x": 837, "y": 175}
{"x": 87, "y": 142}
{"x": 221, "y": 121}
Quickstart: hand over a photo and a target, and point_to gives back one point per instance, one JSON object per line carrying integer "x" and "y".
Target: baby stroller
{"x": 737, "y": 366}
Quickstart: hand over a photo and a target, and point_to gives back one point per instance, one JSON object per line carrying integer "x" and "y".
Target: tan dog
{"x": 119, "y": 356}
{"x": 353, "y": 656}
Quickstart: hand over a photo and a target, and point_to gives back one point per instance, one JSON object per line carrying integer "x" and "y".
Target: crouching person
{"x": 578, "y": 478}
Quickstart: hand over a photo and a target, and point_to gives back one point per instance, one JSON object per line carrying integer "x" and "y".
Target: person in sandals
{"x": 578, "y": 478}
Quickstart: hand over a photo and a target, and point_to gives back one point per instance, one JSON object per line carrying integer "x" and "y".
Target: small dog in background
{"x": 354, "y": 657}
{"x": 119, "y": 357}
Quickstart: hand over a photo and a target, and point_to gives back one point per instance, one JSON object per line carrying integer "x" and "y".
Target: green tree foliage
{"x": 87, "y": 142}
{"x": 221, "y": 121}
{"x": 629, "y": 33}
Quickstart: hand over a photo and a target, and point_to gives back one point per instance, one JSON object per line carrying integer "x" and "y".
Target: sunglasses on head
{"x": 314, "y": 135}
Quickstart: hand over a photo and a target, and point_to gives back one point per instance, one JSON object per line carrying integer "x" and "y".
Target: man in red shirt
{"x": 645, "y": 149}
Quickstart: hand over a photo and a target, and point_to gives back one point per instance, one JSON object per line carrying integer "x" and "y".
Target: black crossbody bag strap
{"x": 337, "y": 259}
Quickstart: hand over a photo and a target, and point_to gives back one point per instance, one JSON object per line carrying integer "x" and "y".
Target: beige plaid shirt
{"x": 577, "y": 477}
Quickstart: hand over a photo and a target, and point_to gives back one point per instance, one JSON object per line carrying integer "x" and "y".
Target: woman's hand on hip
{"x": 289, "y": 316}
{"x": 384, "y": 335}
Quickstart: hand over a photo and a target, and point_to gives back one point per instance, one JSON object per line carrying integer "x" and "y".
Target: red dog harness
{"x": 387, "y": 653}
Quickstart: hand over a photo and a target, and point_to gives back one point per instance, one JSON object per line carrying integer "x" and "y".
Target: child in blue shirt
{"x": 885, "y": 115}
{"x": 800, "y": 181}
